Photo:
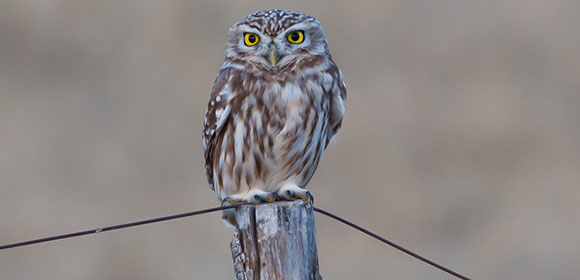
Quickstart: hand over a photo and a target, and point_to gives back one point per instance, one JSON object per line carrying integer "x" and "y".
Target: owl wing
{"x": 216, "y": 116}
{"x": 337, "y": 98}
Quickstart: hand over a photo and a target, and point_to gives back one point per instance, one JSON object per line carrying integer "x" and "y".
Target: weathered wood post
{"x": 275, "y": 241}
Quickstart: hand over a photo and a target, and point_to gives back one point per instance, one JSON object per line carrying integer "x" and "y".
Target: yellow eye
{"x": 296, "y": 37}
{"x": 251, "y": 39}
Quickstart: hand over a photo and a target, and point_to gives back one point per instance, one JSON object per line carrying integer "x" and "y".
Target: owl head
{"x": 276, "y": 39}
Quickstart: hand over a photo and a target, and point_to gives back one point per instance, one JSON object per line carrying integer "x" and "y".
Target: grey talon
{"x": 310, "y": 197}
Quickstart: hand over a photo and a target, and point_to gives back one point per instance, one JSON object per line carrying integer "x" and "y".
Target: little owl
{"x": 276, "y": 103}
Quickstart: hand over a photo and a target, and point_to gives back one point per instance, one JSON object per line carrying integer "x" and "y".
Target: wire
{"x": 109, "y": 228}
{"x": 392, "y": 244}
{"x": 209, "y": 210}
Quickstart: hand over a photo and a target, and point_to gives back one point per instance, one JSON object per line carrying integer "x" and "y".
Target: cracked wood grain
{"x": 275, "y": 241}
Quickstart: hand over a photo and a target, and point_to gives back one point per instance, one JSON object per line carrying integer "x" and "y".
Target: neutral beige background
{"x": 460, "y": 141}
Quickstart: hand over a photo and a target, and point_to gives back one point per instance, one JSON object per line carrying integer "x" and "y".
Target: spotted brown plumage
{"x": 274, "y": 107}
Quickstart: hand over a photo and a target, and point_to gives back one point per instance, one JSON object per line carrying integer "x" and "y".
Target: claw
{"x": 285, "y": 195}
{"x": 303, "y": 195}
{"x": 231, "y": 201}
{"x": 226, "y": 202}
{"x": 293, "y": 192}
{"x": 310, "y": 197}
{"x": 256, "y": 199}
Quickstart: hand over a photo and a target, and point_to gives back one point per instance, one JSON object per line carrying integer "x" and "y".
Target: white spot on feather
{"x": 239, "y": 139}
{"x": 221, "y": 116}
{"x": 234, "y": 66}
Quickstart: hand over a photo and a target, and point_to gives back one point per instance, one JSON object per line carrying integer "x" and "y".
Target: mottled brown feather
{"x": 267, "y": 126}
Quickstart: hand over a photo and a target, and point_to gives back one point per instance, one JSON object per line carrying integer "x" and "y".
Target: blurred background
{"x": 460, "y": 140}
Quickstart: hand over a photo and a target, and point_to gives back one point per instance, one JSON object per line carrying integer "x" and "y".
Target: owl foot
{"x": 294, "y": 193}
{"x": 253, "y": 197}
{"x": 233, "y": 200}
{"x": 262, "y": 197}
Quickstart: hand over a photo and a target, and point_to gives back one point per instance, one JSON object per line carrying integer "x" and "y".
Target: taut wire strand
{"x": 215, "y": 209}
{"x": 109, "y": 228}
{"x": 392, "y": 244}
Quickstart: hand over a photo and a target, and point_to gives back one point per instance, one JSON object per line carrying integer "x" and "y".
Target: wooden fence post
{"x": 275, "y": 241}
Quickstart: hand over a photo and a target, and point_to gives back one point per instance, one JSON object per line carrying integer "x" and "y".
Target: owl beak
{"x": 273, "y": 55}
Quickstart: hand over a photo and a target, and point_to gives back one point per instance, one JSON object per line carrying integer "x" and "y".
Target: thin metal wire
{"x": 392, "y": 244}
{"x": 109, "y": 228}
{"x": 214, "y": 209}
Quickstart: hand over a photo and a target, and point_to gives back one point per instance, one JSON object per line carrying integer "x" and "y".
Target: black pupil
{"x": 295, "y": 36}
{"x": 252, "y": 38}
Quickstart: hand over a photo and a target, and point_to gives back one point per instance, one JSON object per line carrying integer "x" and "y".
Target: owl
{"x": 277, "y": 101}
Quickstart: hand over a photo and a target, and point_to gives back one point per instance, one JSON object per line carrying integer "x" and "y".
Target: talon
{"x": 229, "y": 201}
{"x": 310, "y": 197}
{"x": 226, "y": 201}
{"x": 276, "y": 197}
{"x": 257, "y": 199}
{"x": 232, "y": 200}
{"x": 290, "y": 194}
